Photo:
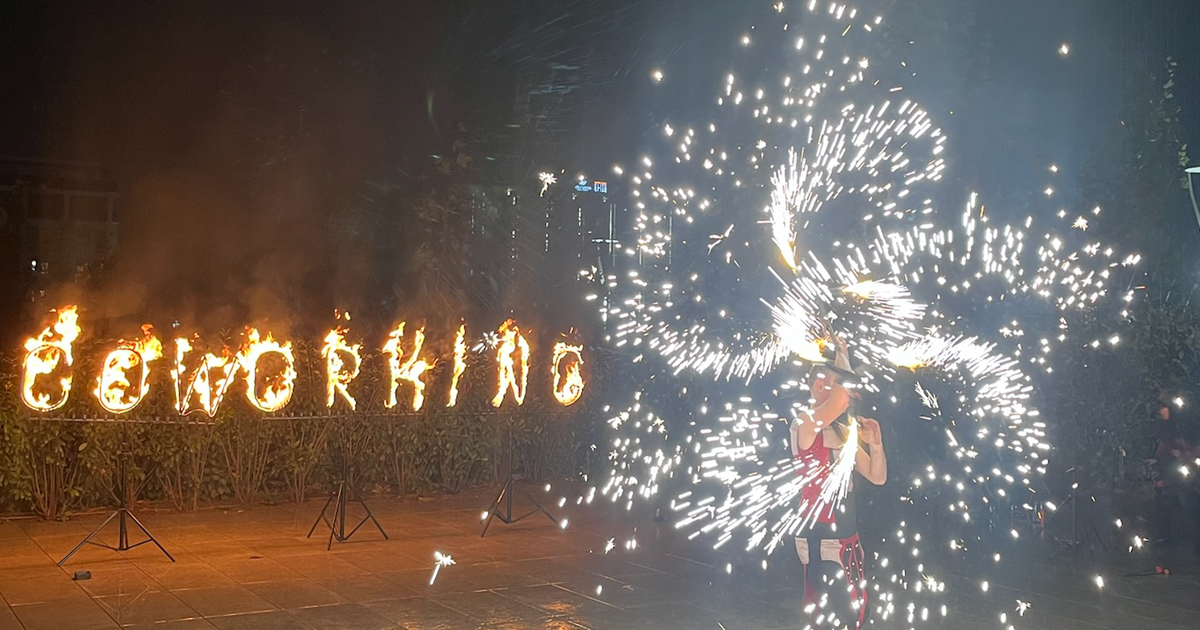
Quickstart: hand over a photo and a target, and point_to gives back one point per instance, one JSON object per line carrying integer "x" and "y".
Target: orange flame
{"x": 409, "y": 370}
{"x": 568, "y": 385}
{"x": 45, "y": 355}
{"x": 338, "y": 375}
{"x": 460, "y": 363}
{"x": 277, "y": 391}
{"x": 201, "y": 388}
{"x": 506, "y": 376}
{"x": 113, "y": 389}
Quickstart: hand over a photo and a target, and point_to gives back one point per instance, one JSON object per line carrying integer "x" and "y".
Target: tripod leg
{"x": 337, "y": 507}
{"x": 508, "y": 496}
{"x": 151, "y": 537}
{"x": 320, "y": 516}
{"x": 370, "y": 515}
{"x": 341, "y": 521}
{"x": 87, "y": 540}
{"x": 495, "y": 507}
{"x": 540, "y": 508}
{"x": 122, "y": 531}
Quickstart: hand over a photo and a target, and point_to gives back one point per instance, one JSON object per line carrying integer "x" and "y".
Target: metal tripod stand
{"x": 1083, "y": 535}
{"x": 122, "y": 514}
{"x": 343, "y": 494}
{"x": 506, "y": 497}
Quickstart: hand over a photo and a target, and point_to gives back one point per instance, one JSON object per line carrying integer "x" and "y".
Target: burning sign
{"x": 511, "y": 341}
{"x": 267, "y": 392}
{"x": 113, "y": 389}
{"x": 408, "y": 368}
{"x": 340, "y": 373}
{"x": 460, "y": 363}
{"x": 266, "y": 368}
{"x": 201, "y": 387}
{"x": 566, "y": 368}
{"x": 48, "y": 363}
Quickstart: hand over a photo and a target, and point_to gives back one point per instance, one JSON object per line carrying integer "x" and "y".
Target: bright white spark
{"x": 548, "y": 180}
{"x": 440, "y": 560}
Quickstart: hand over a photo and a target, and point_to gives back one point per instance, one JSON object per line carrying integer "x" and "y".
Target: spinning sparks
{"x": 113, "y": 389}
{"x": 48, "y": 358}
{"x": 828, "y": 178}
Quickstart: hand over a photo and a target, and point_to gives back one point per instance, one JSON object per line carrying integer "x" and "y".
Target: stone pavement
{"x": 254, "y": 569}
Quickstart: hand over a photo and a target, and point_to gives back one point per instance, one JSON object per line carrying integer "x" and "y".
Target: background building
{"x": 58, "y": 224}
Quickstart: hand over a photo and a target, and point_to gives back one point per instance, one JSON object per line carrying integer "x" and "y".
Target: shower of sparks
{"x": 548, "y": 180}
{"x": 440, "y": 560}
{"x": 803, "y": 209}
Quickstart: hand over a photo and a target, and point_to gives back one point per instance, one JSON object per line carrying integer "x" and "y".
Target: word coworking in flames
{"x": 201, "y": 382}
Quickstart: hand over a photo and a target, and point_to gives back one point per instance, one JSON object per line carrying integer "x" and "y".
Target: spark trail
{"x": 799, "y": 204}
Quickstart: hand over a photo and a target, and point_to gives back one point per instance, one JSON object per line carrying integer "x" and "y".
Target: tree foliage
{"x": 1126, "y": 357}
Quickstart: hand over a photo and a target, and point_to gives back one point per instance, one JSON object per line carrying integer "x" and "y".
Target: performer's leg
{"x": 802, "y": 551}
{"x": 854, "y": 561}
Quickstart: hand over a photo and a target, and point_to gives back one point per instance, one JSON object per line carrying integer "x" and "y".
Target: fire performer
{"x": 829, "y": 546}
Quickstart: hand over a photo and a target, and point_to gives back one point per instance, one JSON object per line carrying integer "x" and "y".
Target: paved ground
{"x": 255, "y": 570}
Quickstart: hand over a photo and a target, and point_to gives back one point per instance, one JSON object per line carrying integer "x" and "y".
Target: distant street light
{"x": 1195, "y": 170}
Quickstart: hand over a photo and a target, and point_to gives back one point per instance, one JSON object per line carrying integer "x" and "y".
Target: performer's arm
{"x": 806, "y": 426}
{"x": 871, "y": 462}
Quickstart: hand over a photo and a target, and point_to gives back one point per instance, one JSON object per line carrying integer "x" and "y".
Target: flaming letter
{"x": 460, "y": 363}
{"x": 278, "y": 389}
{"x": 338, "y": 375}
{"x": 207, "y": 382}
{"x": 510, "y": 340}
{"x": 410, "y": 370}
{"x": 45, "y": 355}
{"x": 568, "y": 384}
{"x": 113, "y": 388}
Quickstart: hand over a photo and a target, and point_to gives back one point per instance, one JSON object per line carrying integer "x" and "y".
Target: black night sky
{"x": 239, "y": 134}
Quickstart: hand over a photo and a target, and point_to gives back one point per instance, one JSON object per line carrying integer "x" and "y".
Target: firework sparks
{"x": 440, "y": 560}
{"x": 827, "y": 176}
{"x": 547, "y": 180}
